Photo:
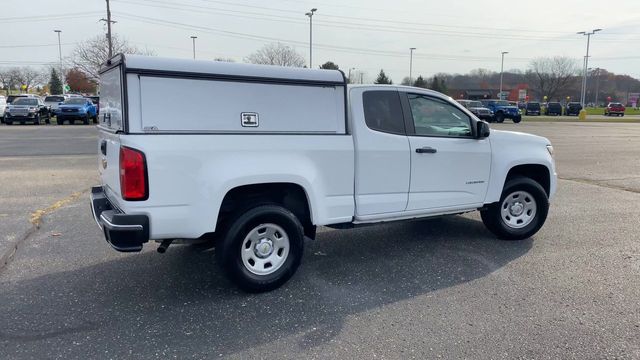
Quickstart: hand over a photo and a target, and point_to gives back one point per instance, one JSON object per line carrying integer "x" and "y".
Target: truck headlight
{"x": 550, "y": 150}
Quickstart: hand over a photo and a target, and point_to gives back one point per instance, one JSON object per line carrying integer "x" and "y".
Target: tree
{"x": 276, "y": 54}
{"x": 420, "y": 82}
{"x": 79, "y": 82}
{"x": 437, "y": 84}
{"x": 382, "y": 78}
{"x": 329, "y": 65}
{"x": 551, "y": 76}
{"x": 89, "y": 55}
{"x": 406, "y": 81}
{"x": 30, "y": 77}
{"x": 8, "y": 80}
{"x": 55, "y": 85}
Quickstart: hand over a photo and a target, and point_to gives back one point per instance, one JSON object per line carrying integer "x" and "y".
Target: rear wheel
{"x": 517, "y": 119}
{"x": 499, "y": 117}
{"x": 521, "y": 211}
{"x": 261, "y": 247}
{"x": 86, "y": 120}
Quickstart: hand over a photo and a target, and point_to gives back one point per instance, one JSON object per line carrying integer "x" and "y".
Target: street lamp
{"x": 502, "y": 71}
{"x": 586, "y": 63}
{"x": 310, "y": 15}
{"x": 193, "y": 38}
{"x": 411, "y": 66}
{"x": 60, "y": 54}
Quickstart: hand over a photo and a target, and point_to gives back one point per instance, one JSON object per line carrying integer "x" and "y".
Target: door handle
{"x": 103, "y": 147}
{"x": 427, "y": 150}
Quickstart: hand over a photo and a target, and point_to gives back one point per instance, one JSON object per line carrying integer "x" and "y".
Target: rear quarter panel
{"x": 189, "y": 176}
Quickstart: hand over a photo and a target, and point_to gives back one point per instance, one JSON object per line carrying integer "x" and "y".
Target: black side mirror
{"x": 483, "y": 130}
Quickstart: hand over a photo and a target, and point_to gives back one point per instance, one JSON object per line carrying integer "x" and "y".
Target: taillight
{"x": 133, "y": 175}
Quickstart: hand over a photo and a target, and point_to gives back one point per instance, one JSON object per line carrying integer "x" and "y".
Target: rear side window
{"x": 111, "y": 111}
{"x": 383, "y": 112}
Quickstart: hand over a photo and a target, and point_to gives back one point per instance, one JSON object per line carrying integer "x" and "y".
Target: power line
{"x": 32, "y": 46}
{"x": 344, "y": 25}
{"x": 49, "y": 17}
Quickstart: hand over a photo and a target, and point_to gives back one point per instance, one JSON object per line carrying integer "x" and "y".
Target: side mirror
{"x": 483, "y": 130}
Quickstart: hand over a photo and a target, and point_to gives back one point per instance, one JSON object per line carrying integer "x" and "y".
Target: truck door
{"x": 382, "y": 157}
{"x": 450, "y": 168}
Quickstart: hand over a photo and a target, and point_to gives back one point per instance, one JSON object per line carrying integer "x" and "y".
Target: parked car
{"x": 533, "y": 108}
{"x": 477, "y": 109}
{"x": 572, "y": 108}
{"x": 27, "y": 109}
{"x": 503, "y": 110}
{"x": 76, "y": 108}
{"x": 53, "y": 101}
{"x": 361, "y": 154}
{"x": 3, "y": 105}
{"x": 553, "y": 108}
{"x": 616, "y": 109}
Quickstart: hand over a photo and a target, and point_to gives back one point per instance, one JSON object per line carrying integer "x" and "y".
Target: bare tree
{"x": 89, "y": 55}
{"x": 551, "y": 76}
{"x": 11, "y": 78}
{"x": 30, "y": 77}
{"x": 276, "y": 54}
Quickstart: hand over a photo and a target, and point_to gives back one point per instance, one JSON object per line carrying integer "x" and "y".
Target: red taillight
{"x": 133, "y": 175}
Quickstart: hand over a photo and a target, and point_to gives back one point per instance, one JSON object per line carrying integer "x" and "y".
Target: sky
{"x": 453, "y": 36}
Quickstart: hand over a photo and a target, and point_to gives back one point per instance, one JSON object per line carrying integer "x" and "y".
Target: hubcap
{"x": 518, "y": 209}
{"x": 265, "y": 249}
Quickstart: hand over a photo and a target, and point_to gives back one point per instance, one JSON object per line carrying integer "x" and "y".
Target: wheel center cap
{"x": 516, "y": 209}
{"x": 263, "y": 248}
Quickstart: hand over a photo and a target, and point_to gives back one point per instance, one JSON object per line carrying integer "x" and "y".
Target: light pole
{"x": 193, "y": 38}
{"x": 502, "y": 71}
{"x": 60, "y": 54}
{"x": 310, "y": 15}
{"x": 586, "y": 64}
{"x": 411, "y": 66}
{"x": 350, "y": 74}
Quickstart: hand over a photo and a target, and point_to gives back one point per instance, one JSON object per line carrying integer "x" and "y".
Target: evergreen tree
{"x": 382, "y": 78}
{"x": 55, "y": 85}
{"x": 435, "y": 84}
{"x": 329, "y": 65}
{"x": 420, "y": 82}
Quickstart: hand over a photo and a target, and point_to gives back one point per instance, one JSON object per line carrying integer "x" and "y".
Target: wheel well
{"x": 538, "y": 173}
{"x": 291, "y": 196}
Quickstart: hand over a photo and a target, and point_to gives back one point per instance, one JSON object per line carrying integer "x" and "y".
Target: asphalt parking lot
{"x": 424, "y": 289}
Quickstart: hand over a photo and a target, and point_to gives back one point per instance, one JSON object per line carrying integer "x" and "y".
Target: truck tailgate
{"x": 108, "y": 162}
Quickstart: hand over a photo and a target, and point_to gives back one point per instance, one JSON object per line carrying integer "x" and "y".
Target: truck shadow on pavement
{"x": 179, "y": 302}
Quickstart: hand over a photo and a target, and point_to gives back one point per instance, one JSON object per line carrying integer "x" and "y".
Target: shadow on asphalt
{"x": 140, "y": 303}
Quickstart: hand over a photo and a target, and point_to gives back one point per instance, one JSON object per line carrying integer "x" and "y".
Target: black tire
{"x": 59, "y": 121}
{"x": 8, "y": 122}
{"x": 86, "y": 120}
{"x": 492, "y": 217}
{"x": 95, "y": 119}
{"x": 228, "y": 251}
{"x": 621, "y": 114}
{"x": 517, "y": 119}
{"x": 36, "y": 120}
{"x": 500, "y": 118}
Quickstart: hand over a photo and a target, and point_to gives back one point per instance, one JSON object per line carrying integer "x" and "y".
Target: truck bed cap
{"x": 139, "y": 63}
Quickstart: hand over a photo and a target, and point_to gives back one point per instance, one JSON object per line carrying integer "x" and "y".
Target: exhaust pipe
{"x": 164, "y": 245}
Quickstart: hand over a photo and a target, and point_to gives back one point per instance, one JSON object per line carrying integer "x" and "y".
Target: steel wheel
{"x": 265, "y": 249}
{"x": 518, "y": 209}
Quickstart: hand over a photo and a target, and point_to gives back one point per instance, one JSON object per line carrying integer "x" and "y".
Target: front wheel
{"x": 261, "y": 248}
{"x": 517, "y": 119}
{"x": 521, "y": 211}
{"x": 499, "y": 118}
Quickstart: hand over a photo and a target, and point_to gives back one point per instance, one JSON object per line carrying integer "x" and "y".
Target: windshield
{"x": 616, "y": 104}
{"x": 502, "y": 103}
{"x": 54, "y": 99}
{"x": 25, "y": 101}
{"x": 533, "y": 105}
{"x": 76, "y": 101}
{"x": 475, "y": 104}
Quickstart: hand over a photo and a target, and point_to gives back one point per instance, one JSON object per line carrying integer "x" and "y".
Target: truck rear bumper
{"x": 124, "y": 232}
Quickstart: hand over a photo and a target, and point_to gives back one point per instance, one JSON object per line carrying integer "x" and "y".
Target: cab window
{"x": 383, "y": 111}
{"x": 436, "y": 117}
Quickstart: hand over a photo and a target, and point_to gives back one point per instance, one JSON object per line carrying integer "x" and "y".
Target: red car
{"x": 614, "y": 109}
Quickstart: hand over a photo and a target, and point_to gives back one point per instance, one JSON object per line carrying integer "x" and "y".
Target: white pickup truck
{"x": 256, "y": 157}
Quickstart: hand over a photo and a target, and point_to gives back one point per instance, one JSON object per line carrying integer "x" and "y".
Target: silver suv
{"x": 477, "y": 109}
